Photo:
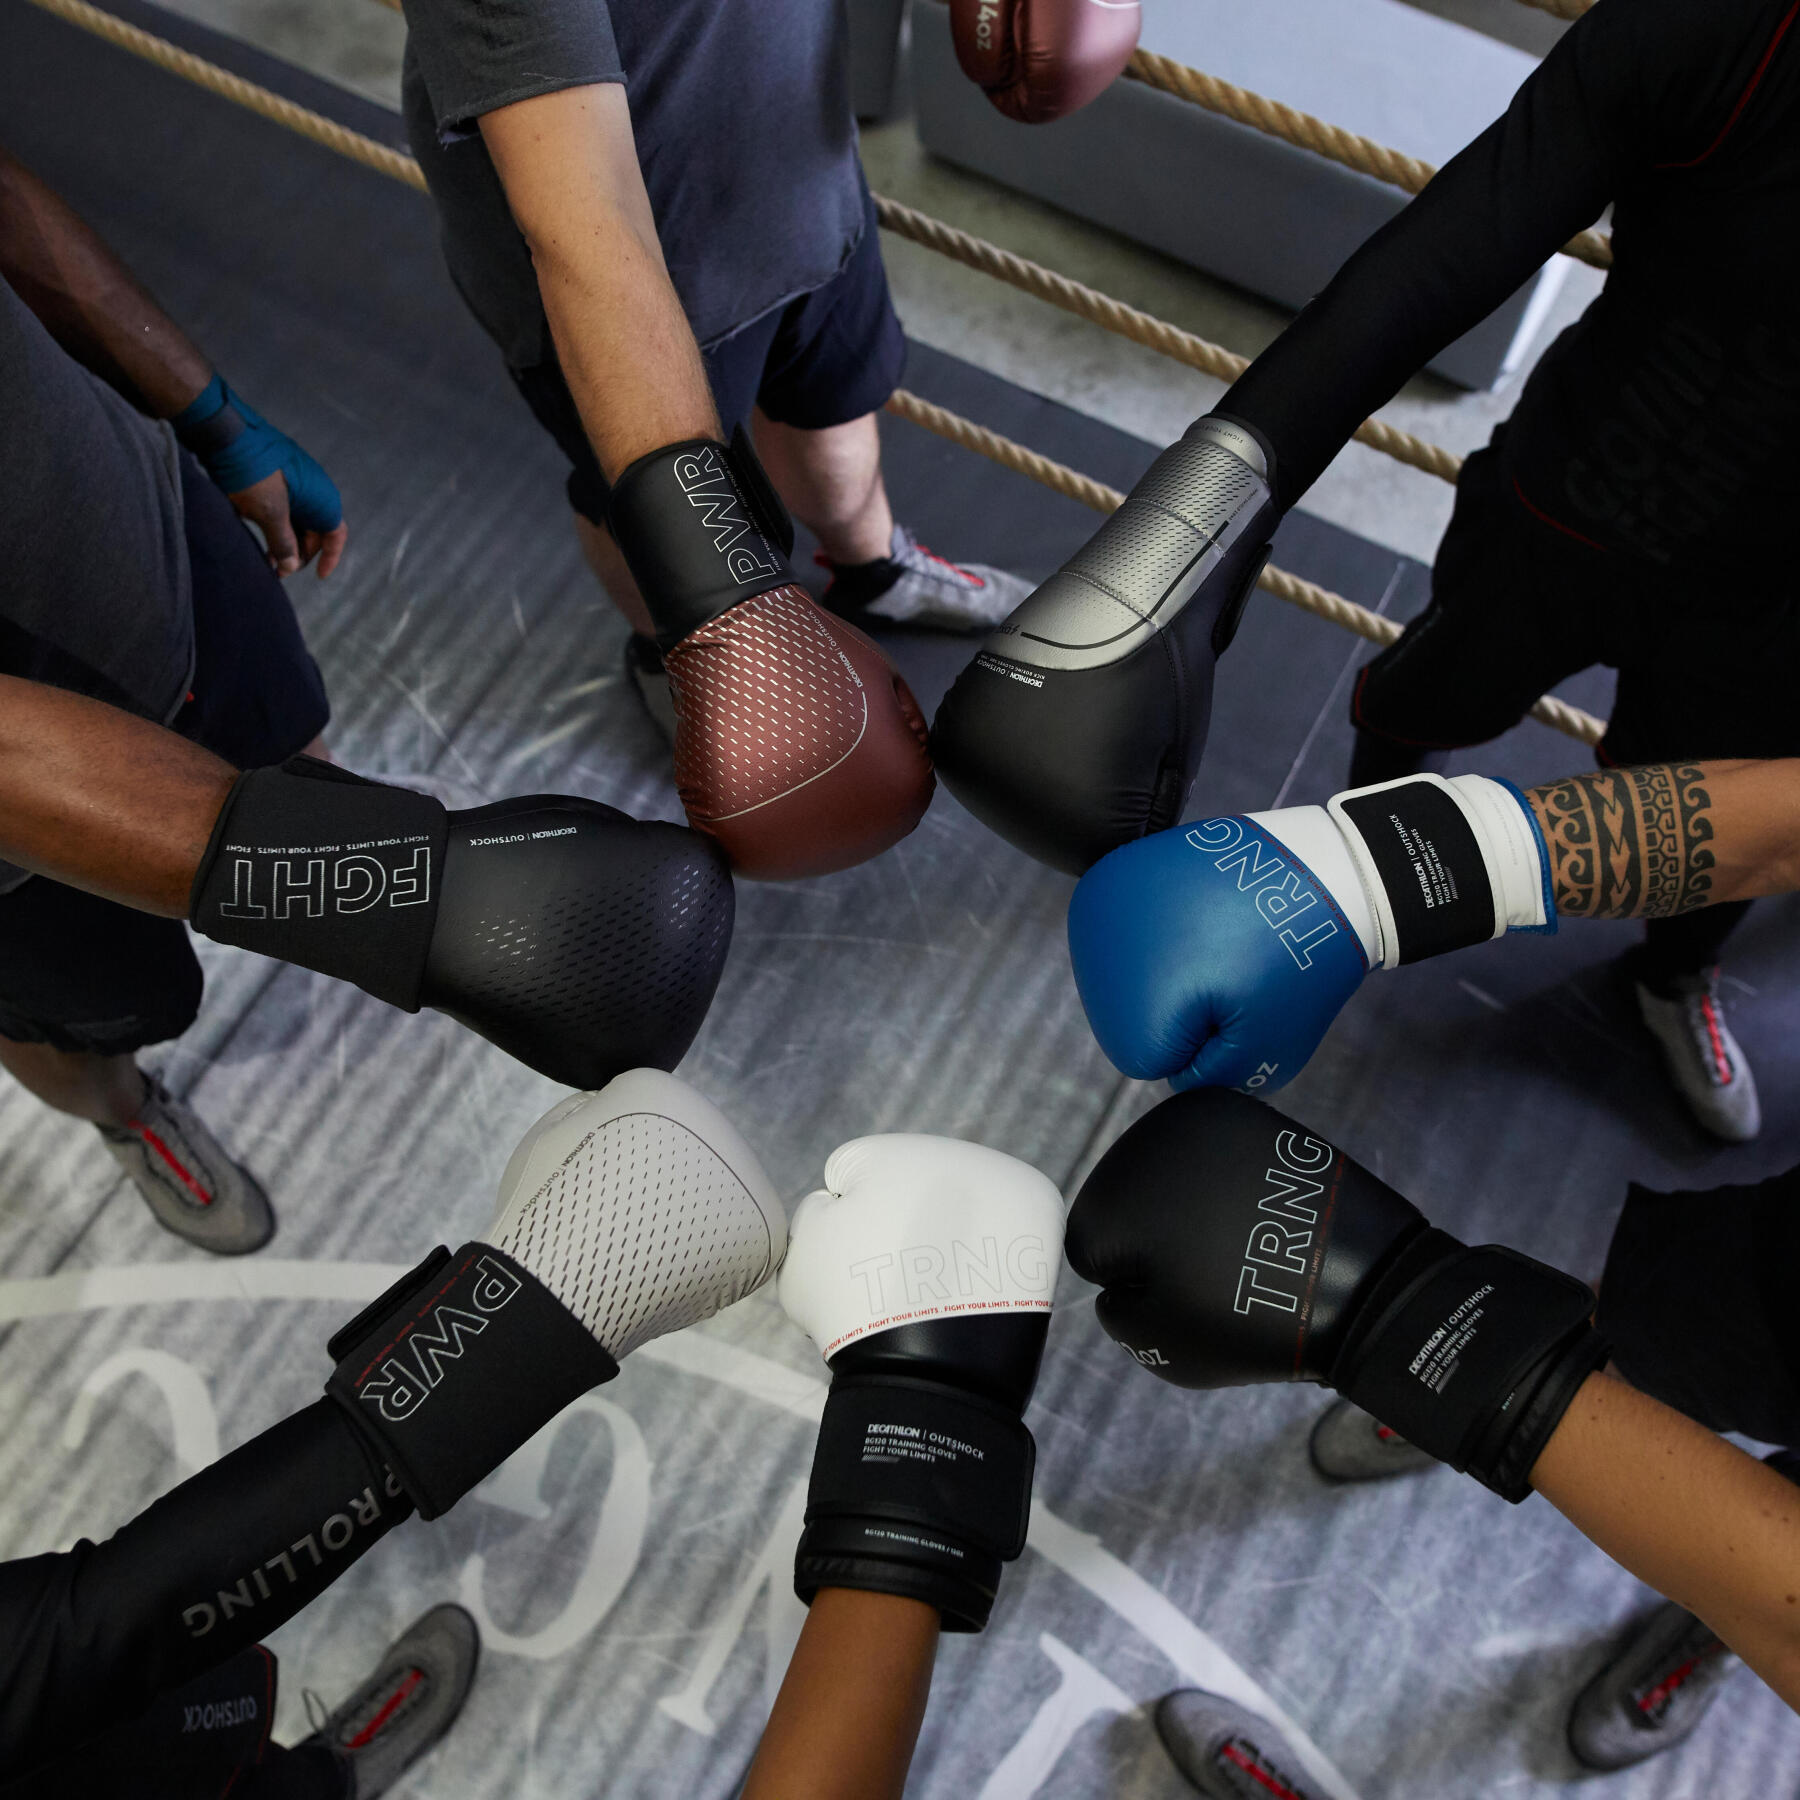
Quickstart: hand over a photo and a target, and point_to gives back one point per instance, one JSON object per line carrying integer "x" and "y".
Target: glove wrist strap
{"x": 918, "y": 1489}
{"x": 1465, "y": 1353}
{"x": 701, "y": 528}
{"x": 1445, "y": 863}
{"x": 315, "y": 866}
{"x": 455, "y": 1366}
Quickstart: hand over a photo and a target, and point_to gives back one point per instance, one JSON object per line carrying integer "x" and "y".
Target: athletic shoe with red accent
{"x": 410, "y": 1701}
{"x": 1702, "y": 1057}
{"x": 1226, "y": 1751}
{"x": 913, "y": 585}
{"x": 190, "y": 1184}
{"x": 1348, "y": 1445}
{"x": 1663, "y": 1674}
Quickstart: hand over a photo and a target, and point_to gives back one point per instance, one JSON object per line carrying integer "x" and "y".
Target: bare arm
{"x": 850, "y": 1706}
{"x": 89, "y": 301}
{"x": 569, "y": 165}
{"x": 104, "y": 801}
{"x": 1688, "y": 1513}
{"x": 1671, "y": 837}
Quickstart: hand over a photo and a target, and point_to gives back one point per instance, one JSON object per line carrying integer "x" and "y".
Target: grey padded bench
{"x": 1227, "y": 199}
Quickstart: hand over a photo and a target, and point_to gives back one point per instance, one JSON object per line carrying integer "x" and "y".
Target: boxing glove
{"x": 580, "y": 940}
{"x": 1233, "y": 1246}
{"x": 923, "y": 1271}
{"x": 1080, "y": 723}
{"x": 1219, "y": 953}
{"x": 797, "y": 745}
{"x": 1038, "y": 60}
{"x": 623, "y": 1216}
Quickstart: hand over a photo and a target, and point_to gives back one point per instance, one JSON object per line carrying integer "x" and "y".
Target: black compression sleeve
{"x": 1547, "y": 168}
{"x": 89, "y": 1636}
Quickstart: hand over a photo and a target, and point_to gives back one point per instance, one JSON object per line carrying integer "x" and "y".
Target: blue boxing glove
{"x": 1217, "y": 954}
{"x": 238, "y": 447}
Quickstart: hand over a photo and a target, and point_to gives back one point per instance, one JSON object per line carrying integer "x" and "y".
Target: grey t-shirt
{"x": 741, "y": 112}
{"x": 97, "y": 595}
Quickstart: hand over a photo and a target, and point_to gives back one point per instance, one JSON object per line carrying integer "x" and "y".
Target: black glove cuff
{"x": 455, "y": 1366}
{"x": 315, "y": 866}
{"x": 1452, "y": 1338}
{"x": 918, "y": 1489}
{"x": 1503, "y": 1461}
{"x": 701, "y": 527}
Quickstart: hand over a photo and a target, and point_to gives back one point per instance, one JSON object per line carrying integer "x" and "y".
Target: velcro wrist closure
{"x": 1452, "y": 1343}
{"x": 701, "y": 528}
{"x": 1434, "y": 858}
{"x": 918, "y": 1489}
{"x": 456, "y": 1365}
{"x": 315, "y": 866}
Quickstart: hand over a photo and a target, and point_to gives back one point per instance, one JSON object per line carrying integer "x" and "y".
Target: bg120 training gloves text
{"x": 580, "y": 940}
{"x": 1080, "y": 724}
{"x": 1232, "y": 1246}
{"x": 924, "y": 1272}
{"x": 797, "y": 745}
{"x": 1219, "y": 953}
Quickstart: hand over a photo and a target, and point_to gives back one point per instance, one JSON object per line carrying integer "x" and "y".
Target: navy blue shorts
{"x": 81, "y": 973}
{"x": 823, "y": 359}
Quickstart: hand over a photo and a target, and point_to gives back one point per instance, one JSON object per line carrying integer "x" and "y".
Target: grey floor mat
{"x": 629, "y": 1569}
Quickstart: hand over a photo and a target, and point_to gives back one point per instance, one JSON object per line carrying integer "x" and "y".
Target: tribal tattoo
{"x": 1628, "y": 843}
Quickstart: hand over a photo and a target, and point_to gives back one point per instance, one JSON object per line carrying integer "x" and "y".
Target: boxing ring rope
{"x": 399, "y": 166}
{"x": 1301, "y": 129}
{"x": 1127, "y": 322}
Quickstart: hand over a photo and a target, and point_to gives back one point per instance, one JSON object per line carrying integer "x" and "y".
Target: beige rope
{"x": 1010, "y": 455}
{"x": 1292, "y": 126}
{"x": 1128, "y": 322}
{"x": 222, "y": 82}
{"x": 1306, "y": 595}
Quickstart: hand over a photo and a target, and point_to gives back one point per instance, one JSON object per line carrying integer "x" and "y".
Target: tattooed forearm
{"x": 1628, "y": 843}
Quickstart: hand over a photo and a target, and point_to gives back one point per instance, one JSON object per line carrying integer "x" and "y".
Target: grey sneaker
{"x": 410, "y": 1701}
{"x": 644, "y": 668}
{"x": 191, "y": 1185}
{"x": 1348, "y": 1445}
{"x": 1663, "y": 1674}
{"x": 927, "y": 590}
{"x": 1703, "y": 1058}
{"x": 1225, "y": 1750}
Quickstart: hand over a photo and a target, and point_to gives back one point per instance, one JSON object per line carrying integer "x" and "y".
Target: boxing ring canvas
{"x": 630, "y": 1567}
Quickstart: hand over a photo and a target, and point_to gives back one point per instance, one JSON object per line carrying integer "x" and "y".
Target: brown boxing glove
{"x": 1039, "y": 60}
{"x": 797, "y": 744}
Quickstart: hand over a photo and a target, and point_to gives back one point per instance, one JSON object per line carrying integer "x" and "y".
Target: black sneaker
{"x": 410, "y": 1701}
{"x": 185, "y": 1177}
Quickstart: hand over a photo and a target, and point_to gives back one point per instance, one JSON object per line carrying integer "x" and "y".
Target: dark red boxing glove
{"x": 797, "y": 744}
{"x": 1039, "y": 60}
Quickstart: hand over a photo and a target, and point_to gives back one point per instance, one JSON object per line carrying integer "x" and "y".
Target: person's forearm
{"x": 1688, "y": 1513}
{"x": 1648, "y": 842}
{"x": 850, "y": 1706}
{"x": 568, "y": 163}
{"x": 102, "y": 800}
{"x": 89, "y": 301}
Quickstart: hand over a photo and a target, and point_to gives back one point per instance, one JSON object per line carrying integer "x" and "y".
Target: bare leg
{"x": 107, "y": 1090}
{"x": 607, "y": 562}
{"x": 831, "y": 481}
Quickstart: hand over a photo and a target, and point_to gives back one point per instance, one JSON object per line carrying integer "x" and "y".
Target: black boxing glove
{"x": 576, "y": 938}
{"x": 1080, "y": 724}
{"x": 924, "y": 1272}
{"x": 1232, "y": 1246}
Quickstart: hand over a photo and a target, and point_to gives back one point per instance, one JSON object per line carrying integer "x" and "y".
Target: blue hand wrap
{"x": 237, "y": 447}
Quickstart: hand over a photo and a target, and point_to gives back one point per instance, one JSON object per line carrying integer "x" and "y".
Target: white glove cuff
{"x": 1313, "y": 837}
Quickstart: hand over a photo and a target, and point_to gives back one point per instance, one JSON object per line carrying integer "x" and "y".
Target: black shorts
{"x": 824, "y": 359}
{"x": 81, "y": 973}
{"x": 1697, "y": 1299}
{"x": 1518, "y": 605}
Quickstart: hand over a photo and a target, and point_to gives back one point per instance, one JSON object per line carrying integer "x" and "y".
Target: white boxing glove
{"x": 924, "y": 1272}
